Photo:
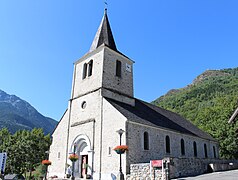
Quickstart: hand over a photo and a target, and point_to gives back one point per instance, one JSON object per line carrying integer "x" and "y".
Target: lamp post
{"x": 121, "y": 175}
{"x": 46, "y": 166}
{"x": 73, "y": 162}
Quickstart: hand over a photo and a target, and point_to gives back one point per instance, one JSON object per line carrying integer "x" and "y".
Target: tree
{"x": 25, "y": 149}
{"x": 209, "y": 103}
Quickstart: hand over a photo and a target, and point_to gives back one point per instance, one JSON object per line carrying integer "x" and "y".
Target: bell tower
{"x": 104, "y": 68}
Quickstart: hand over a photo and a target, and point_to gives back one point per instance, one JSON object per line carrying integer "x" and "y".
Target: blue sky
{"x": 171, "y": 42}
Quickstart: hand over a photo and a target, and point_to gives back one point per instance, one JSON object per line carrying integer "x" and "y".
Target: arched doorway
{"x": 84, "y": 165}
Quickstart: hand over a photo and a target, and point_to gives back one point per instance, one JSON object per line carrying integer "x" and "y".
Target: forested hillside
{"x": 209, "y": 102}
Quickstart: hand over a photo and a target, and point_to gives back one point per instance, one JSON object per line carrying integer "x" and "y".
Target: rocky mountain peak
{"x": 207, "y": 74}
{"x": 16, "y": 114}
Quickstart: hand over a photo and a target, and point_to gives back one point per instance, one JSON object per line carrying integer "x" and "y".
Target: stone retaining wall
{"x": 180, "y": 167}
{"x": 143, "y": 172}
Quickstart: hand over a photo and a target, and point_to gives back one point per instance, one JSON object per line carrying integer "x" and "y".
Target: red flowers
{"x": 73, "y": 157}
{"x": 46, "y": 162}
{"x": 121, "y": 149}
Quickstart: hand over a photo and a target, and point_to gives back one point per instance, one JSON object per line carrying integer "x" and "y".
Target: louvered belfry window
{"x": 118, "y": 68}
{"x": 85, "y": 70}
{"x": 90, "y": 68}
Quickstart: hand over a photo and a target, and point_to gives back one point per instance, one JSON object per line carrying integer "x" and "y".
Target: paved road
{"x": 224, "y": 175}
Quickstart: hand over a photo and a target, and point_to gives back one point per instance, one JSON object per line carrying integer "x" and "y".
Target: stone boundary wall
{"x": 180, "y": 167}
{"x": 143, "y": 172}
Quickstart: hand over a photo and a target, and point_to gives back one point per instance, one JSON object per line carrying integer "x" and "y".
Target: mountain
{"x": 208, "y": 103}
{"x": 17, "y": 114}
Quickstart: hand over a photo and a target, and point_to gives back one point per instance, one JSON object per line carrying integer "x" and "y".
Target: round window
{"x": 83, "y": 105}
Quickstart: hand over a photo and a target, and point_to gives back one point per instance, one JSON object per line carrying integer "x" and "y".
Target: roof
{"x": 104, "y": 35}
{"x": 148, "y": 114}
{"x": 13, "y": 177}
{"x": 234, "y": 115}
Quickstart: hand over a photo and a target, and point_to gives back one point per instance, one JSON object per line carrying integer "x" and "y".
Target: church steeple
{"x": 104, "y": 35}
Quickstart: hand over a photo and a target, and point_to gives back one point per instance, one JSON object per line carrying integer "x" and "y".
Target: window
{"x": 118, "y": 68}
{"x": 109, "y": 151}
{"x": 182, "y": 147}
{"x": 90, "y": 68}
{"x": 205, "y": 150}
{"x": 214, "y": 152}
{"x": 84, "y": 70}
{"x": 146, "y": 141}
{"x": 195, "y": 149}
{"x": 83, "y": 105}
{"x": 167, "y": 142}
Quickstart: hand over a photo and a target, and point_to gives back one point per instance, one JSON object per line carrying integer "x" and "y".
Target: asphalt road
{"x": 224, "y": 175}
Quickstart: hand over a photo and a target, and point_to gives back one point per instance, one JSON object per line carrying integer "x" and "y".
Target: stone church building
{"x": 102, "y": 101}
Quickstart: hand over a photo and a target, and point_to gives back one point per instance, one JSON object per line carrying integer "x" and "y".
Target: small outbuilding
{"x": 14, "y": 177}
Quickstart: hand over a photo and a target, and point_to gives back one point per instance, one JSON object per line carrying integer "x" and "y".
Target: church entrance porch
{"x": 84, "y": 165}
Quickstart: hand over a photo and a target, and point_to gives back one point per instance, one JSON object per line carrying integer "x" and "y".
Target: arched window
{"x": 90, "y": 68}
{"x": 205, "y": 150}
{"x": 182, "y": 147}
{"x": 84, "y": 70}
{"x": 118, "y": 68}
{"x": 146, "y": 141}
{"x": 167, "y": 143}
{"x": 195, "y": 149}
{"x": 214, "y": 152}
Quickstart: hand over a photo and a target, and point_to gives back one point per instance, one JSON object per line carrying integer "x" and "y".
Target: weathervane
{"x": 105, "y": 5}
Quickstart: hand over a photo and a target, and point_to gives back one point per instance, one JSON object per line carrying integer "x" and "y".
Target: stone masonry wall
{"x": 90, "y": 83}
{"x": 58, "y": 148}
{"x": 180, "y": 167}
{"x": 157, "y": 148}
{"x": 143, "y": 172}
{"x": 123, "y": 84}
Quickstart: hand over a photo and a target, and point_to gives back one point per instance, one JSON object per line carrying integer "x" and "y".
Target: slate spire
{"x": 104, "y": 35}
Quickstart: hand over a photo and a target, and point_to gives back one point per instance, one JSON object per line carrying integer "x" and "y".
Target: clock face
{"x": 128, "y": 67}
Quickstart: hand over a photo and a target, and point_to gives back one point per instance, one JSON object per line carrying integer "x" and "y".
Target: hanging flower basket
{"x": 121, "y": 149}
{"x": 73, "y": 157}
{"x": 46, "y": 162}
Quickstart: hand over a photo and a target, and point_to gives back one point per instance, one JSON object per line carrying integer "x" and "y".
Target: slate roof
{"x": 104, "y": 35}
{"x": 13, "y": 177}
{"x": 148, "y": 114}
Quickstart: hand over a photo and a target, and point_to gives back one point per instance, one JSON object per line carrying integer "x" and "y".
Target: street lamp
{"x": 121, "y": 175}
{"x": 73, "y": 162}
{"x": 46, "y": 167}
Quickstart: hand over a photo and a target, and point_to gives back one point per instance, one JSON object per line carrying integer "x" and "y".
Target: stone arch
{"x": 83, "y": 148}
{"x": 82, "y": 141}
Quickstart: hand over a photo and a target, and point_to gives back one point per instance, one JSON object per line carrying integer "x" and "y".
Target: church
{"x": 101, "y": 103}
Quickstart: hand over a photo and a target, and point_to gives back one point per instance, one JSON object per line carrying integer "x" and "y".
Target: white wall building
{"x": 101, "y": 103}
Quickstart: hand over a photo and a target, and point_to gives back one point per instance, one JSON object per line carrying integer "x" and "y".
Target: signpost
{"x": 3, "y": 158}
{"x": 155, "y": 164}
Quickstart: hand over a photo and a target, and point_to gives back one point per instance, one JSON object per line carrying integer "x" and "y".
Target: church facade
{"x": 102, "y": 102}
